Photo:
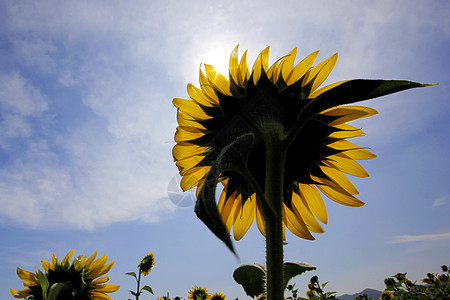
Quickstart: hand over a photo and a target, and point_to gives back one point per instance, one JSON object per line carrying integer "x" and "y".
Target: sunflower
{"x": 386, "y": 295}
{"x": 198, "y": 293}
{"x": 80, "y": 279}
{"x": 217, "y": 296}
{"x": 213, "y": 122}
{"x": 146, "y": 264}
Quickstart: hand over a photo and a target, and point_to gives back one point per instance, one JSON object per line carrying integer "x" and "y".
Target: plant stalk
{"x": 272, "y": 212}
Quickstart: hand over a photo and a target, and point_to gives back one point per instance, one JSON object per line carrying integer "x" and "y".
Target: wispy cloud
{"x": 441, "y": 201}
{"x": 420, "y": 238}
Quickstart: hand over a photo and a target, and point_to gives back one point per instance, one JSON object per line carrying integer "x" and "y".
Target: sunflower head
{"x": 386, "y": 295}
{"x": 217, "y": 296}
{"x": 146, "y": 264}
{"x": 198, "y": 293}
{"x": 222, "y": 130}
{"x": 80, "y": 279}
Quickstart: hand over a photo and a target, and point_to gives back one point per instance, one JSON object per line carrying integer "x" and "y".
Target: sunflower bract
{"x": 223, "y": 109}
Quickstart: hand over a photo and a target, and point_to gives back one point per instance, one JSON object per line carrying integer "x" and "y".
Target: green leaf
{"x": 251, "y": 277}
{"x": 43, "y": 282}
{"x": 206, "y": 207}
{"x": 147, "y": 288}
{"x": 359, "y": 90}
{"x": 131, "y": 274}
{"x": 292, "y": 269}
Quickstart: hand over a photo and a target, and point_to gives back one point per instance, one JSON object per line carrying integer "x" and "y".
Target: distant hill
{"x": 370, "y": 292}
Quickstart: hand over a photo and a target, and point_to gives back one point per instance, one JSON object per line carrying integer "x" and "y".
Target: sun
{"x": 215, "y": 56}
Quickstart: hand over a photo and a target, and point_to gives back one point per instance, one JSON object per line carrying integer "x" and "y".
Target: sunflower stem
{"x": 272, "y": 212}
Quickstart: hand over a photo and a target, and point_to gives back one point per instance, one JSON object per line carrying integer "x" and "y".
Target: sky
{"x": 87, "y": 125}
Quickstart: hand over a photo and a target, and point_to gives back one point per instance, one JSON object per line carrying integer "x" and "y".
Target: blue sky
{"x": 87, "y": 124}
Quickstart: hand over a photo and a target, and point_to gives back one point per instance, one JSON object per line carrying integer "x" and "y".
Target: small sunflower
{"x": 386, "y": 295}
{"x": 217, "y": 296}
{"x": 224, "y": 109}
{"x": 146, "y": 264}
{"x": 198, "y": 293}
{"x": 81, "y": 279}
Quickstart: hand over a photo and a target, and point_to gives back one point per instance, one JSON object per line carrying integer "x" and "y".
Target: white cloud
{"x": 20, "y": 97}
{"x": 420, "y": 238}
{"x": 441, "y": 201}
{"x": 19, "y": 102}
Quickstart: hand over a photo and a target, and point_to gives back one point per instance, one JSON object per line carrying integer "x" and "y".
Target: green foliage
{"x": 436, "y": 286}
{"x": 252, "y": 277}
{"x": 316, "y": 290}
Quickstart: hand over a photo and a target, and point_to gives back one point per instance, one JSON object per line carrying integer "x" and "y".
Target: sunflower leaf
{"x": 356, "y": 90}
{"x": 292, "y": 269}
{"x": 131, "y": 274}
{"x": 206, "y": 207}
{"x": 43, "y": 282}
{"x": 251, "y": 277}
{"x": 147, "y": 288}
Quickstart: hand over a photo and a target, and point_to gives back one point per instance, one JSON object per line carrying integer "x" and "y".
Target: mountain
{"x": 370, "y": 292}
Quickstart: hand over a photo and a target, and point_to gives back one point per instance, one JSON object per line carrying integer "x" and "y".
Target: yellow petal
{"x": 26, "y": 275}
{"x": 67, "y": 257}
{"x": 190, "y": 108}
{"x": 301, "y": 68}
{"x": 349, "y": 113}
{"x": 185, "y": 121}
{"x": 351, "y": 150}
{"x": 339, "y": 179}
{"x": 319, "y": 73}
{"x": 219, "y": 81}
{"x": 346, "y": 165}
{"x": 191, "y": 180}
{"x": 197, "y": 95}
{"x": 24, "y": 293}
{"x": 261, "y": 64}
{"x": 301, "y": 208}
{"x": 320, "y": 91}
{"x": 100, "y": 296}
{"x": 181, "y": 151}
{"x": 90, "y": 260}
{"x": 338, "y": 195}
{"x": 296, "y": 224}
{"x": 234, "y": 64}
{"x": 260, "y": 222}
{"x": 107, "y": 288}
{"x": 45, "y": 265}
{"x": 311, "y": 196}
{"x": 288, "y": 63}
{"x": 100, "y": 280}
{"x": 188, "y": 163}
{"x": 186, "y": 134}
{"x": 346, "y": 131}
{"x": 226, "y": 209}
{"x": 101, "y": 270}
{"x": 243, "y": 218}
{"x": 207, "y": 89}
{"x": 243, "y": 74}
{"x": 54, "y": 260}
{"x": 273, "y": 71}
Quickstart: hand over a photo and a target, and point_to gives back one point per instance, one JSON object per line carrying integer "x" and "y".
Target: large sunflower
{"x": 225, "y": 121}
{"x": 79, "y": 280}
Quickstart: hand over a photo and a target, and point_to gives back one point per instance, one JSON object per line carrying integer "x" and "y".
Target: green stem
{"x": 272, "y": 212}
{"x": 138, "y": 283}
